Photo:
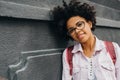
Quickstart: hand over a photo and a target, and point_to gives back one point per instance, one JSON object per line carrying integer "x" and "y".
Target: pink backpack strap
{"x": 110, "y": 49}
{"x": 69, "y": 58}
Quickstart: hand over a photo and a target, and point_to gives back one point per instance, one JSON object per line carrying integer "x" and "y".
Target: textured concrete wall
{"x": 30, "y": 49}
{"x": 17, "y": 35}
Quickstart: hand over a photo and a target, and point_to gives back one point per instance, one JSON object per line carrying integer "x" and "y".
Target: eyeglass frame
{"x": 73, "y": 29}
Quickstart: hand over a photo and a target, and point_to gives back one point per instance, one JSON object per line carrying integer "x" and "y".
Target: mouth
{"x": 80, "y": 36}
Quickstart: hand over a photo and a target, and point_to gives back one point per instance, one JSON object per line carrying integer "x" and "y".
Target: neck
{"x": 88, "y": 46}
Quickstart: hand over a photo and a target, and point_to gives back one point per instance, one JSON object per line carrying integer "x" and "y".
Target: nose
{"x": 77, "y": 30}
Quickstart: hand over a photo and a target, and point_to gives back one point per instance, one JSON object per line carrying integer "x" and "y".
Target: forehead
{"x": 73, "y": 20}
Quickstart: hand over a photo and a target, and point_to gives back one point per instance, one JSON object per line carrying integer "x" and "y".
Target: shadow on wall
{"x": 59, "y": 39}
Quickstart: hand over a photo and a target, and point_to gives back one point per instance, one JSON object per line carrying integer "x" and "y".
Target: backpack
{"x": 109, "y": 48}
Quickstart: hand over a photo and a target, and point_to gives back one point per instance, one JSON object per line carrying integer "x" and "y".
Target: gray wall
{"x": 30, "y": 49}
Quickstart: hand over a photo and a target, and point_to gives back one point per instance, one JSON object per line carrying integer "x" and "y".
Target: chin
{"x": 82, "y": 41}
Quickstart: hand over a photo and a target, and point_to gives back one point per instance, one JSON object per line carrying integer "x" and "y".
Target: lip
{"x": 80, "y": 36}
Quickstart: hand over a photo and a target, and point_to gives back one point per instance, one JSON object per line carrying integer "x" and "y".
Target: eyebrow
{"x": 75, "y": 24}
{"x": 70, "y": 28}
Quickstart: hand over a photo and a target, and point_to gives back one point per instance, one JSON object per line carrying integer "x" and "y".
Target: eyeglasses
{"x": 79, "y": 25}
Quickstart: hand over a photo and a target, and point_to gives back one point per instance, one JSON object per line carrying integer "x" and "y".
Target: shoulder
{"x": 70, "y": 48}
{"x": 116, "y": 45}
{"x": 117, "y": 49}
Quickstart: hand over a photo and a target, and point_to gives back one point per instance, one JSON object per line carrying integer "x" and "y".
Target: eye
{"x": 71, "y": 30}
{"x": 79, "y": 24}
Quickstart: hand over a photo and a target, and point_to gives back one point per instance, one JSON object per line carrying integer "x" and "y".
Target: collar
{"x": 99, "y": 45}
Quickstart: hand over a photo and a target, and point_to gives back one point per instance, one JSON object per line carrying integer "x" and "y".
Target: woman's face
{"x": 79, "y": 29}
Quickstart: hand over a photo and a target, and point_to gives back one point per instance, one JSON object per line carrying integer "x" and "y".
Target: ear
{"x": 90, "y": 24}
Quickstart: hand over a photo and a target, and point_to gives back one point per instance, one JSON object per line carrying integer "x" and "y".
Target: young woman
{"x": 91, "y": 60}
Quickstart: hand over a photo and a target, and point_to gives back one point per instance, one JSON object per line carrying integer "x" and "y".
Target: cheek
{"x": 88, "y": 29}
{"x": 74, "y": 37}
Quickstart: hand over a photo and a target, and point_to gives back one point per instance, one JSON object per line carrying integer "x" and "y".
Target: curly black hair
{"x": 75, "y": 8}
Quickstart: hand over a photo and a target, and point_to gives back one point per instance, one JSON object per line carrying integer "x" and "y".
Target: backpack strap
{"x": 110, "y": 49}
{"x": 69, "y": 58}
